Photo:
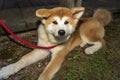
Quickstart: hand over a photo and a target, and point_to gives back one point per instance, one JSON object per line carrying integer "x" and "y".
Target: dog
{"x": 60, "y": 27}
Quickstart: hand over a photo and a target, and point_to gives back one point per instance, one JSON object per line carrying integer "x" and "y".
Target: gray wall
{"x": 6, "y": 4}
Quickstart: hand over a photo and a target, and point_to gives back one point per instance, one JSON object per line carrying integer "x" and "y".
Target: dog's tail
{"x": 103, "y": 16}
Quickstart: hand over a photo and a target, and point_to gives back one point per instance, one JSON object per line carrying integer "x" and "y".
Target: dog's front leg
{"x": 58, "y": 55}
{"x": 26, "y": 60}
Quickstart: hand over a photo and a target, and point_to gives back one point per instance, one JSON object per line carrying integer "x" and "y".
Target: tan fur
{"x": 90, "y": 31}
{"x": 59, "y": 11}
{"x": 47, "y": 17}
{"x": 103, "y": 16}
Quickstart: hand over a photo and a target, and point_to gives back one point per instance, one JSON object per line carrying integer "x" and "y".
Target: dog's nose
{"x": 61, "y": 32}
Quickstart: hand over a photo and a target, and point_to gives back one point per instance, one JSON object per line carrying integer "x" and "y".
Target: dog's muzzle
{"x": 62, "y": 38}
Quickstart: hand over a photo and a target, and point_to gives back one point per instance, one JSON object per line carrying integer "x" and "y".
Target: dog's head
{"x": 60, "y": 22}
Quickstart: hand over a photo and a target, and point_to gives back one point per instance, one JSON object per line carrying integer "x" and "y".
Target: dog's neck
{"x": 42, "y": 36}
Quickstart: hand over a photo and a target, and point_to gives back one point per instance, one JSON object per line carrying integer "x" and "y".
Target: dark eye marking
{"x": 55, "y": 22}
{"x": 66, "y": 22}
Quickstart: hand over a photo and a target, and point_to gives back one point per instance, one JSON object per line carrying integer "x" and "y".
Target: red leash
{"x": 21, "y": 40}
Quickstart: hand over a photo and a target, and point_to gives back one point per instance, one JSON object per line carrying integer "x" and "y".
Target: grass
{"x": 86, "y": 67}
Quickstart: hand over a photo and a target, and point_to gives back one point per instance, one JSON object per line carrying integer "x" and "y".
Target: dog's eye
{"x": 55, "y": 22}
{"x": 66, "y": 22}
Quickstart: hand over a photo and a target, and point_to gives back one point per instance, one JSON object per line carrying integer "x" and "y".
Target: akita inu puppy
{"x": 59, "y": 26}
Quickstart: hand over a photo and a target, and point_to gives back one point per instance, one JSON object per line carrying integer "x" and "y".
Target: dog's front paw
{"x": 44, "y": 76}
{"x": 3, "y": 73}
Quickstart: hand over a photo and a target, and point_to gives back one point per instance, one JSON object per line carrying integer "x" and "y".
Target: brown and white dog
{"x": 60, "y": 26}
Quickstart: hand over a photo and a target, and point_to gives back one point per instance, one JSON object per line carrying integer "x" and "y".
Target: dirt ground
{"x": 103, "y": 65}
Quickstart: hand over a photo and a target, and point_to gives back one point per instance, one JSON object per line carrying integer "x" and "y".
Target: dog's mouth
{"x": 61, "y": 39}
{"x": 58, "y": 39}
{"x": 59, "y": 36}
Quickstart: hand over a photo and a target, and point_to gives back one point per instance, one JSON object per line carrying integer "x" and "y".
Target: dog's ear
{"x": 77, "y": 12}
{"x": 43, "y": 14}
